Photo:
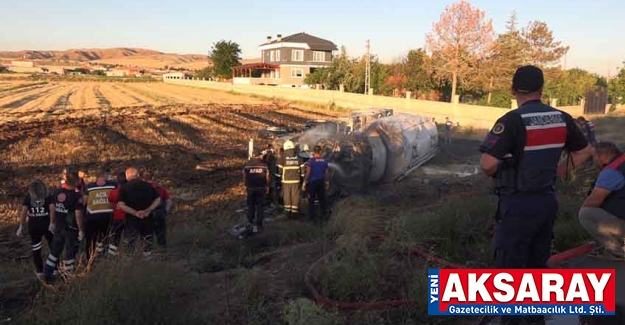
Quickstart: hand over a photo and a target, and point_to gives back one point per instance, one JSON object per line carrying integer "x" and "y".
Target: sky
{"x": 591, "y": 28}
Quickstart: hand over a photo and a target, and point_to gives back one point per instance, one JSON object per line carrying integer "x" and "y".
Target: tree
{"x": 461, "y": 38}
{"x": 225, "y": 55}
{"x": 206, "y": 73}
{"x": 616, "y": 87}
{"x": 541, "y": 48}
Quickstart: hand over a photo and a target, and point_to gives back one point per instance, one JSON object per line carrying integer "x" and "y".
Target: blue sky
{"x": 591, "y": 28}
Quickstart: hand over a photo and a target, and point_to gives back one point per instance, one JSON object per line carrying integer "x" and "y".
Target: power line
{"x": 368, "y": 69}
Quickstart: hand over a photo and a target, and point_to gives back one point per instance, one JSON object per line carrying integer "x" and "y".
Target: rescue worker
{"x": 289, "y": 171}
{"x": 588, "y": 128}
{"x": 119, "y": 217}
{"x": 80, "y": 184}
{"x": 66, "y": 223}
{"x": 522, "y": 152}
{"x": 256, "y": 180}
{"x": 603, "y": 211}
{"x": 269, "y": 158}
{"x": 36, "y": 206}
{"x": 159, "y": 215}
{"x": 316, "y": 182}
{"x": 138, "y": 199}
{"x": 449, "y": 125}
{"x": 99, "y": 213}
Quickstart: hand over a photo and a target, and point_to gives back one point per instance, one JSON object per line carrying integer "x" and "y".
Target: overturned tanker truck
{"x": 385, "y": 149}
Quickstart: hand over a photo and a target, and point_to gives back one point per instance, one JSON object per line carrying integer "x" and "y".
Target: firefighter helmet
{"x": 304, "y": 148}
{"x": 288, "y": 144}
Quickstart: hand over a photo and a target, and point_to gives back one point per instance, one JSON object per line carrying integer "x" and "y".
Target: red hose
{"x": 326, "y": 302}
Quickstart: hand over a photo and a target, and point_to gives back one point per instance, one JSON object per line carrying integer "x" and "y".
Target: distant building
{"x": 23, "y": 64}
{"x": 124, "y": 72}
{"x": 286, "y": 61}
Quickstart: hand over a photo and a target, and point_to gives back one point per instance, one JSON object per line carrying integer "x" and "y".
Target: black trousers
{"x": 115, "y": 237}
{"x": 38, "y": 229}
{"x": 96, "y": 233}
{"x": 291, "y": 197}
{"x": 523, "y": 234}
{"x": 317, "y": 190}
{"x": 65, "y": 238}
{"x": 255, "y": 205}
{"x": 142, "y": 229}
{"x": 160, "y": 230}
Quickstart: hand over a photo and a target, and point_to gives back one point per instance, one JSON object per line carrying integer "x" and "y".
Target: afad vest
{"x": 98, "y": 194}
{"x": 256, "y": 174}
{"x": 615, "y": 202}
{"x": 289, "y": 168}
{"x": 533, "y": 166}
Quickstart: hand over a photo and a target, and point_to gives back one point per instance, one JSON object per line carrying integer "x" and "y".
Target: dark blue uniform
{"x": 256, "y": 173}
{"x": 316, "y": 185}
{"x": 529, "y": 142}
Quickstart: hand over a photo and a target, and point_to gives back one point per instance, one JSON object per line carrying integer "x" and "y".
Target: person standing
{"x": 138, "y": 199}
{"x": 588, "y": 127}
{"x": 159, "y": 215}
{"x": 449, "y": 125}
{"x": 289, "y": 170}
{"x": 36, "y": 206}
{"x": 522, "y": 152}
{"x": 256, "y": 180}
{"x": 316, "y": 182}
{"x": 119, "y": 217}
{"x": 66, "y": 223}
{"x": 269, "y": 158}
{"x": 603, "y": 211}
{"x": 99, "y": 213}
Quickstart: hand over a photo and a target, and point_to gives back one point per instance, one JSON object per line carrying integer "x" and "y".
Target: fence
{"x": 482, "y": 117}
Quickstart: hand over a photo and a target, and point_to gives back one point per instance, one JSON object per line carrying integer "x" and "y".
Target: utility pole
{"x": 368, "y": 69}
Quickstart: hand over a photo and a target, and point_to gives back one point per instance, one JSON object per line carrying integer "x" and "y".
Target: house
{"x": 285, "y": 61}
{"x": 124, "y": 72}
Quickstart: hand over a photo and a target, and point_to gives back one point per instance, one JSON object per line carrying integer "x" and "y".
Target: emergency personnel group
{"x": 100, "y": 212}
{"x": 290, "y": 173}
{"x": 523, "y": 152}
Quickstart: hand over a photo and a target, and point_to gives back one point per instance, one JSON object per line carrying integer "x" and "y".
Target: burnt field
{"x": 197, "y": 151}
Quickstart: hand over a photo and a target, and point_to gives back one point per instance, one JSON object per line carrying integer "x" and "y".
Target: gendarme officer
{"x": 522, "y": 152}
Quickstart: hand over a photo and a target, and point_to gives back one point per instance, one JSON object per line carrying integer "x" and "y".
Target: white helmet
{"x": 288, "y": 144}
{"x": 304, "y": 148}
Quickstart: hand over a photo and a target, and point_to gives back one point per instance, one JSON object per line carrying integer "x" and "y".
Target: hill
{"x": 124, "y": 56}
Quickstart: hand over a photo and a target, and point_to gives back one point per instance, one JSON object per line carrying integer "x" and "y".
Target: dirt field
{"x": 196, "y": 142}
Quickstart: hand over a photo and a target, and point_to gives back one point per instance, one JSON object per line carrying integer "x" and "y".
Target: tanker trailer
{"x": 399, "y": 144}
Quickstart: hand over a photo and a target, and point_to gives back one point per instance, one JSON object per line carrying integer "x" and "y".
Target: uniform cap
{"x": 528, "y": 79}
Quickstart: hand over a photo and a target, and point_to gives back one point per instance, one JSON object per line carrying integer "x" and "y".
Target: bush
{"x": 304, "y": 312}
{"x": 128, "y": 292}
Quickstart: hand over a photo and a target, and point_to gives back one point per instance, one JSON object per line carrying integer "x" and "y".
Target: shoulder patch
{"x": 498, "y": 128}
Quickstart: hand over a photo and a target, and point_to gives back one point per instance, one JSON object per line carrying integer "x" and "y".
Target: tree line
{"x": 464, "y": 56}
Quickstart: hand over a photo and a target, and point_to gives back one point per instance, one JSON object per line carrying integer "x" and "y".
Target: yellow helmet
{"x": 304, "y": 148}
{"x": 288, "y": 144}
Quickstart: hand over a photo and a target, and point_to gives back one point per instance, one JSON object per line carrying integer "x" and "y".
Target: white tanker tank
{"x": 385, "y": 150}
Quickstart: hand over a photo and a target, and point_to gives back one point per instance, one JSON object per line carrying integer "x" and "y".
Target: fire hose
{"x": 420, "y": 252}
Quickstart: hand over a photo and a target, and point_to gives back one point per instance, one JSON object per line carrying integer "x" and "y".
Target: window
{"x": 297, "y": 73}
{"x": 319, "y": 56}
{"x": 271, "y": 56}
{"x": 297, "y": 55}
{"x": 277, "y": 55}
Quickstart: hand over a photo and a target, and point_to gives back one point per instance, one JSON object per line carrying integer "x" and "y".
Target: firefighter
{"x": 36, "y": 206}
{"x": 99, "y": 213}
{"x": 256, "y": 179}
{"x": 522, "y": 152}
{"x": 588, "y": 128}
{"x": 66, "y": 223}
{"x": 289, "y": 171}
{"x": 317, "y": 182}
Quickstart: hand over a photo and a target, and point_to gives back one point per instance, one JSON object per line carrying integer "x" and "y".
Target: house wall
{"x": 23, "y": 64}
{"x": 286, "y": 57}
{"x": 287, "y": 79}
{"x": 482, "y": 117}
